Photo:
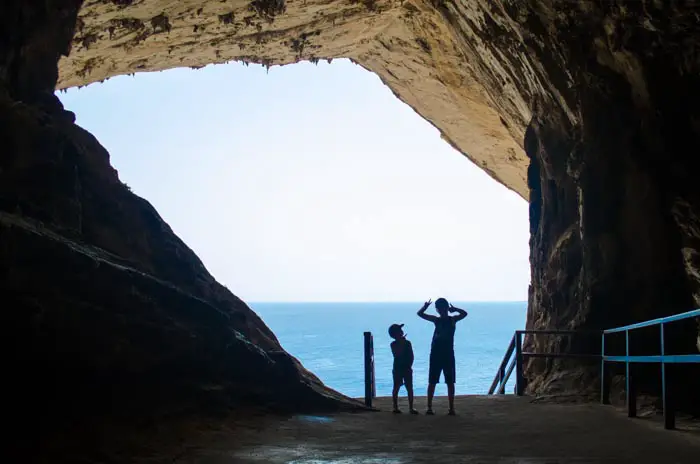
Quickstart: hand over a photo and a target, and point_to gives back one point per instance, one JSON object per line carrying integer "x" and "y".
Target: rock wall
{"x": 108, "y": 316}
{"x": 613, "y": 203}
{"x": 587, "y": 108}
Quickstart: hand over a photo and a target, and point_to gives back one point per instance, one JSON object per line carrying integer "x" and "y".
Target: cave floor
{"x": 487, "y": 429}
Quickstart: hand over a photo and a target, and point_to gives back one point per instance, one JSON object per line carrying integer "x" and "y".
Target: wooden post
{"x": 630, "y": 386}
{"x": 604, "y": 377}
{"x": 666, "y": 396}
{"x": 374, "y": 378}
{"x": 370, "y": 390}
{"x": 519, "y": 378}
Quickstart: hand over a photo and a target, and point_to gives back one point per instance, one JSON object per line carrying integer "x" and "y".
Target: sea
{"x": 328, "y": 340}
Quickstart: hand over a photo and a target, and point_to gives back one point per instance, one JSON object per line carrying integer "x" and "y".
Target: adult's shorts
{"x": 442, "y": 362}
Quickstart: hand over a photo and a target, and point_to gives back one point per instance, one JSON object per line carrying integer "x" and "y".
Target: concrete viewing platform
{"x": 487, "y": 429}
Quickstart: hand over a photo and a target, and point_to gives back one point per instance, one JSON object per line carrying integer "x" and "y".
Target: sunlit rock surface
{"x": 409, "y": 44}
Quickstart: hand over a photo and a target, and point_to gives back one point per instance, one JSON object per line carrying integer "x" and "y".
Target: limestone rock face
{"x": 614, "y": 208}
{"x": 433, "y": 66}
{"x": 588, "y": 109}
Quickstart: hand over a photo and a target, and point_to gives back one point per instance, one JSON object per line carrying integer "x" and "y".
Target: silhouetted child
{"x": 403, "y": 366}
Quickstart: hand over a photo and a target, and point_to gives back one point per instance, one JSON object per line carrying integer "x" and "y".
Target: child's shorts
{"x": 404, "y": 377}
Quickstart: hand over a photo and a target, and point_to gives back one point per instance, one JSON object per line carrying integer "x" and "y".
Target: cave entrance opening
{"x": 312, "y": 185}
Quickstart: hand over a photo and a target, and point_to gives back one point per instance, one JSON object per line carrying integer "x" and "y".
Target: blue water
{"x": 327, "y": 338}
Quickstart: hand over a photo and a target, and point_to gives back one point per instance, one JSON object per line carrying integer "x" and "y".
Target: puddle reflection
{"x": 315, "y": 419}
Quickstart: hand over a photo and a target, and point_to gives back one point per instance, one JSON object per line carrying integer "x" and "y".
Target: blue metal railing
{"x": 663, "y": 359}
{"x": 515, "y": 357}
{"x": 506, "y": 368}
{"x": 514, "y": 361}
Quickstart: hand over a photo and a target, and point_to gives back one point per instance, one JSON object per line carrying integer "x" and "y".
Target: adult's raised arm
{"x": 421, "y": 312}
{"x": 461, "y": 314}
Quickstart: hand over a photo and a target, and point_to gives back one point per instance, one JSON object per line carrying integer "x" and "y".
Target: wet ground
{"x": 495, "y": 429}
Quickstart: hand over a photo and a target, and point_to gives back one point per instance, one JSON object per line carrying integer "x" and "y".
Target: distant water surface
{"x": 327, "y": 339}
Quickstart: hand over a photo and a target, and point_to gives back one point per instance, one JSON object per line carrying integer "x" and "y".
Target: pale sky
{"x": 310, "y": 183}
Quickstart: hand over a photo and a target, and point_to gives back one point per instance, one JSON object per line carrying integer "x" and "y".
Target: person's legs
{"x": 395, "y": 397}
{"x": 408, "y": 381}
{"x": 395, "y": 391}
{"x": 433, "y": 379}
{"x": 450, "y": 378}
{"x": 431, "y": 392}
{"x": 451, "y": 396}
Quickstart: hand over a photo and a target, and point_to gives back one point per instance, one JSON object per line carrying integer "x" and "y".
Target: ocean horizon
{"x": 327, "y": 337}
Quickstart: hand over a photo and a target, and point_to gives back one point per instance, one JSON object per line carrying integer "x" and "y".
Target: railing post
{"x": 669, "y": 412}
{"x": 519, "y": 378}
{"x": 501, "y": 375}
{"x": 369, "y": 369}
{"x": 630, "y": 387}
{"x": 604, "y": 378}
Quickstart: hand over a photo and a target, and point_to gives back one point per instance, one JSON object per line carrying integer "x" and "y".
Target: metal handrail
{"x": 499, "y": 382}
{"x": 502, "y": 387}
{"x": 661, "y": 320}
{"x": 515, "y": 355}
{"x": 511, "y": 363}
{"x": 662, "y": 359}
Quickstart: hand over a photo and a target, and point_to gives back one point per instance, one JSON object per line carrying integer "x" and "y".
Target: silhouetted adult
{"x": 442, "y": 351}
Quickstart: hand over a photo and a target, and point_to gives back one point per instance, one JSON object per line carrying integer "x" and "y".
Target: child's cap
{"x": 395, "y": 330}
